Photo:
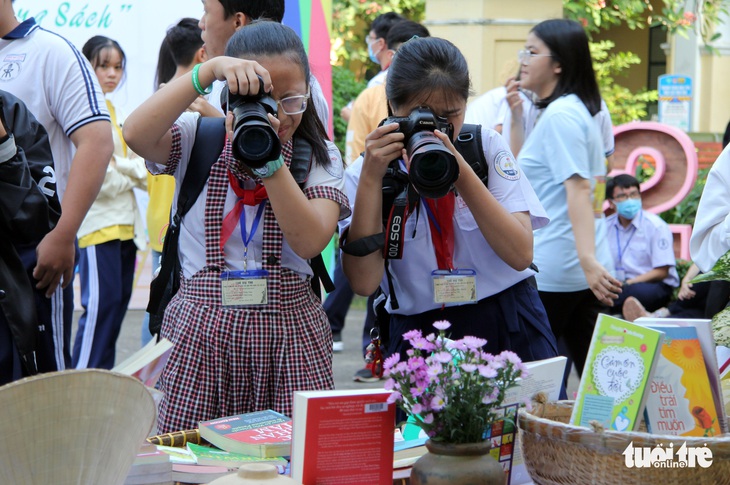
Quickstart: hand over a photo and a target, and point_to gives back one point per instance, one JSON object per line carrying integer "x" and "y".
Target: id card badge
{"x": 620, "y": 274}
{"x": 244, "y": 288}
{"x": 457, "y": 286}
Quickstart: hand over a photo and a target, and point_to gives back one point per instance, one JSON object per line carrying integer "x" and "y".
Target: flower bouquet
{"x": 451, "y": 387}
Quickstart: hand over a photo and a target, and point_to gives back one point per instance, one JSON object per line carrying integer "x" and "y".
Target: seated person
{"x": 641, "y": 246}
{"x": 694, "y": 300}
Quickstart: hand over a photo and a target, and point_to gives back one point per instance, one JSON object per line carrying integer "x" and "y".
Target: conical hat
{"x": 81, "y": 427}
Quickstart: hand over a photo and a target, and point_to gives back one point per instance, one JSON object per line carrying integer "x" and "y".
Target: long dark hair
{"x": 93, "y": 48}
{"x": 568, "y": 45}
{"x": 423, "y": 66}
{"x": 267, "y": 39}
{"x": 178, "y": 48}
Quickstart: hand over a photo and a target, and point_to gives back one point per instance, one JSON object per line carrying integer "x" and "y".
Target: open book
{"x": 147, "y": 363}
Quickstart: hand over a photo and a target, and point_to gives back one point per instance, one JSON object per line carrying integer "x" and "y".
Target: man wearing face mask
{"x": 641, "y": 245}
{"x": 378, "y": 52}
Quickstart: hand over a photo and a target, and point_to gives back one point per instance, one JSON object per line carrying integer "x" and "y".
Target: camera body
{"x": 433, "y": 168}
{"x": 255, "y": 142}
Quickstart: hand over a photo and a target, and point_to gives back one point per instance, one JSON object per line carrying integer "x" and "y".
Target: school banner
{"x": 140, "y": 25}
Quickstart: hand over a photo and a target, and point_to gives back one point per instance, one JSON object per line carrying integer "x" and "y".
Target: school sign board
{"x": 675, "y": 101}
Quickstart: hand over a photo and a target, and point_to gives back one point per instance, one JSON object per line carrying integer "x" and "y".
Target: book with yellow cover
{"x": 680, "y": 400}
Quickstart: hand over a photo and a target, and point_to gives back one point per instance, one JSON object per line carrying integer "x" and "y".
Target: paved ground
{"x": 344, "y": 365}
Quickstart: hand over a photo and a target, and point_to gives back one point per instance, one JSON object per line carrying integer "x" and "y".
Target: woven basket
{"x": 76, "y": 427}
{"x": 557, "y": 453}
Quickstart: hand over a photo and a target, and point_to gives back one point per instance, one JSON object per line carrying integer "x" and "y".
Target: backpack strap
{"x": 301, "y": 164}
{"x": 469, "y": 144}
{"x": 210, "y": 138}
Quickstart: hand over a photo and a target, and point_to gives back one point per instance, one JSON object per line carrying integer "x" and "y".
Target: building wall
{"x": 488, "y": 32}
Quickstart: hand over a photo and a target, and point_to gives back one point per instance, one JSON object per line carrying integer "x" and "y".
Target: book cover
{"x": 680, "y": 400}
{"x": 343, "y": 437}
{"x": 713, "y": 355}
{"x": 542, "y": 376}
{"x": 613, "y": 389}
{"x": 205, "y": 455}
{"x": 263, "y": 434}
{"x": 199, "y": 473}
{"x": 147, "y": 363}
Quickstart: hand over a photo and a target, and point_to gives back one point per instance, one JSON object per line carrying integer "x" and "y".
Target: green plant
{"x": 677, "y": 16}
{"x": 685, "y": 211}
{"x": 623, "y": 105}
{"x": 351, "y": 21}
{"x": 345, "y": 88}
{"x": 451, "y": 387}
{"x": 645, "y": 168}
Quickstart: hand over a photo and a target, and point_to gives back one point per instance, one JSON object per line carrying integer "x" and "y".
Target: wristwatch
{"x": 269, "y": 169}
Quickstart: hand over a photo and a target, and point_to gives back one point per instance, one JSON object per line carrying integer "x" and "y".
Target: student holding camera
{"x": 247, "y": 327}
{"x": 466, "y": 251}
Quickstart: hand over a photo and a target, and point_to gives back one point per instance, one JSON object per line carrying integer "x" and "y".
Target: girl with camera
{"x": 112, "y": 230}
{"x": 247, "y": 327}
{"x": 565, "y": 161}
{"x": 466, "y": 256}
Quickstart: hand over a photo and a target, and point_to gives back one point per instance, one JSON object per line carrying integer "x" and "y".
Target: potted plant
{"x": 452, "y": 388}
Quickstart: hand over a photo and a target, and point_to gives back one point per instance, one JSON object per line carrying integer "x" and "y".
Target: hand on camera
{"x": 241, "y": 75}
{"x": 382, "y": 146}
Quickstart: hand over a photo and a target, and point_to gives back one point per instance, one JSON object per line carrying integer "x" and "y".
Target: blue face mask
{"x": 372, "y": 55}
{"x": 628, "y": 208}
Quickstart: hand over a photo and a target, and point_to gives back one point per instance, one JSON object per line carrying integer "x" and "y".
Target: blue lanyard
{"x": 618, "y": 246}
{"x": 432, "y": 217}
{"x": 247, "y": 238}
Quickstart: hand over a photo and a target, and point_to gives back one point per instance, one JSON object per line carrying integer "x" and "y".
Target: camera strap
{"x": 396, "y": 227}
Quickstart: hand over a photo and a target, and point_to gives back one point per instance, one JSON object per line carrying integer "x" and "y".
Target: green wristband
{"x": 196, "y": 82}
{"x": 269, "y": 169}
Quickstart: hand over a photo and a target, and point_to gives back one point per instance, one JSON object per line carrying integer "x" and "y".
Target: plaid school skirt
{"x": 228, "y": 361}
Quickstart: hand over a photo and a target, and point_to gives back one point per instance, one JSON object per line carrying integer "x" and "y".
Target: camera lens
{"x": 253, "y": 142}
{"x": 433, "y": 168}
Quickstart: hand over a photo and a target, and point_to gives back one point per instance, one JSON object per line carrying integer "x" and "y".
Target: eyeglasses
{"x": 293, "y": 105}
{"x": 624, "y": 196}
{"x": 524, "y": 56}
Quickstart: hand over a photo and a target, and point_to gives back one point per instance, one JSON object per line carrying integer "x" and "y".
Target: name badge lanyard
{"x": 621, "y": 252}
{"x": 238, "y": 215}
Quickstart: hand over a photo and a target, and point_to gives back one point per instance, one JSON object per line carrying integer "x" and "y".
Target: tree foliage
{"x": 623, "y": 105}
{"x": 350, "y": 26}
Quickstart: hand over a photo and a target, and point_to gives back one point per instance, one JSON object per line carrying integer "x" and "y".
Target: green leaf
{"x": 720, "y": 271}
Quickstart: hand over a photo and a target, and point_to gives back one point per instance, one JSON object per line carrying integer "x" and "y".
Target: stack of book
{"x": 662, "y": 370}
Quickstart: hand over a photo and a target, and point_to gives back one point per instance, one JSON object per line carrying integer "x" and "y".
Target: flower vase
{"x": 457, "y": 464}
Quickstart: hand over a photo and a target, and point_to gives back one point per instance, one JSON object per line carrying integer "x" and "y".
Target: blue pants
{"x": 511, "y": 320}
{"x": 652, "y": 295}
{"x": 107, "y": 275}
{"x": 55, "y": 319}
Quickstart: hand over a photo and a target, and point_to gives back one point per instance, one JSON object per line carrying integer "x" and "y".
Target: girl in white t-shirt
{"x": 465, "y": 255}
{"x": 565, "y": 161}
{"x": 247, "y": 327}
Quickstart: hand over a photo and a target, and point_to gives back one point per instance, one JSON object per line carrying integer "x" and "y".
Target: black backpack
{"x": 209, "y": 141}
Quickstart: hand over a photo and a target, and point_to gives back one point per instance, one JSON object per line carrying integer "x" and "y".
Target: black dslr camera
{"x": 434, "y": 168}
{"x": 254, "y": 140}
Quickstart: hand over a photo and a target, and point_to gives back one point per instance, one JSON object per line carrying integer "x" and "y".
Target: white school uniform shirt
{"x": 711, "y": 233}
{"x": 57, "y": 84}
{"x": 485, "y": 109}
{"x": 566, "y": 141}
{"x": 531, "y": 114}
{"x": 412, "y": 277}
{"x": 646, "y": 243}
{"x": 192, "y": 230}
